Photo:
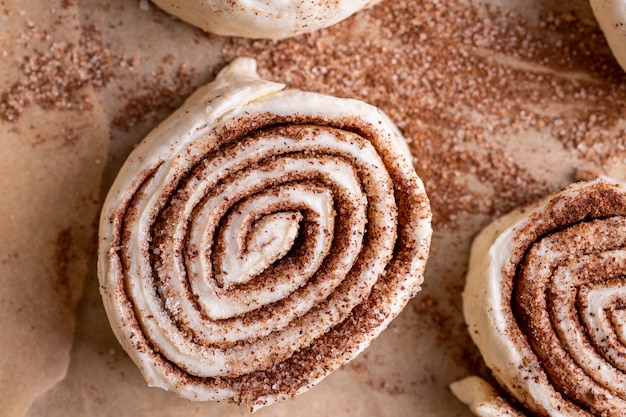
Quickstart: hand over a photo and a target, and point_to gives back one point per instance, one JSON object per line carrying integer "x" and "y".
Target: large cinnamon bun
{"x": 260, "y": 238}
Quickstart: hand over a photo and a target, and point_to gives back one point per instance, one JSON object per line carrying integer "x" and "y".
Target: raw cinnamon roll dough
{"x": 259, "y": 239}
{"x": 482, "y": 398}
{"x": 544, "y": 299}
{"x": 611, "y": 15}
{"x": 274, "y": 19}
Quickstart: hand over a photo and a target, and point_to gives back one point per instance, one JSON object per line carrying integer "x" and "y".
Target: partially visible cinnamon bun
{"x": 545, "y": 298}
{"x": 272, "y": 19}
{"x": 482, "y": 398}
{"x": 259, "y": 239}
{"x": 611, "y": 16}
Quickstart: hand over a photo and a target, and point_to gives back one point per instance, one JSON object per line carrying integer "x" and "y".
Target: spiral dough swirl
{"x": 546, "y": 305}
{"x": 259, "y": 239}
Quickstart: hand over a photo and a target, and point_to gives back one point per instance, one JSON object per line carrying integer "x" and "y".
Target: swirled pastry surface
{"x": 260, "y": 238}
{"x": 274, "y": 19}
{"x": 544, "y": 301}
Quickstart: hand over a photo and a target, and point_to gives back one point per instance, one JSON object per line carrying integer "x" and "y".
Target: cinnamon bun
{"x": 544, "y": 301}
{"x": 271, "y": 19}
{"x": 260, "y": 238}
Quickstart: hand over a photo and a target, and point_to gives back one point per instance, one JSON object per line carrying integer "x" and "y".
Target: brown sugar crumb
{"x": 54, "y": 76}
{"x": 459, "y": 79}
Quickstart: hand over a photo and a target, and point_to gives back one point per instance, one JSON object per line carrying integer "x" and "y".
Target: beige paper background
{"x": 51, "y": 163}
{"x": 59, "y": 356}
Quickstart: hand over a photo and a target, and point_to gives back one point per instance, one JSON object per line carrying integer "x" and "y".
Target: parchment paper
{"x": 56, "y": 165}
{"x": 51, "y": 163}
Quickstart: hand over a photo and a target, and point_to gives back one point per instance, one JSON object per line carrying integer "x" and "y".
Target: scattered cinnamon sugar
{"x": 151, "y": 96}
{"x": 453, "y": 77}
{"x": 54, "y": 77}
